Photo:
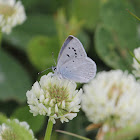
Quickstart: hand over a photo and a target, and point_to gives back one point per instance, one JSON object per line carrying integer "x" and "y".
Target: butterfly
{"x": 73, "y": 63}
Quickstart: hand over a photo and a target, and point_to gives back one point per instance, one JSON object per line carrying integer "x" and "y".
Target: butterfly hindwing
{"x": 79, "y": 70}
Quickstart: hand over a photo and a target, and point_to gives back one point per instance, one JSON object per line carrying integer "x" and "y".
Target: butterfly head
{"x": 54, "y": 69}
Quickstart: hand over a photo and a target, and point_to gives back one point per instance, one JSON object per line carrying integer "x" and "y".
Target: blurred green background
{"x": 106, "y": 30}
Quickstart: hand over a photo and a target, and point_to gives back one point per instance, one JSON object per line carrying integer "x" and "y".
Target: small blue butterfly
{"x": 73, "y": 63}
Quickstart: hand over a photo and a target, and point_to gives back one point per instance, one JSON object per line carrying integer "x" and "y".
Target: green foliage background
{"x": 105, "y": 28}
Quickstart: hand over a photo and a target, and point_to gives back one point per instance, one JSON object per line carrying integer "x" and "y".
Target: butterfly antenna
{"x": 44, "y": 70}
{"x": 53, "y": 58}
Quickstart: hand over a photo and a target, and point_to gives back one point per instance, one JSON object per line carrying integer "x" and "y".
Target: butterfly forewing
{"x": 72, "y": 48}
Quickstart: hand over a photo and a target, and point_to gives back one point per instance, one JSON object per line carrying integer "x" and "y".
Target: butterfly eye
{"x": 54, "y": 69}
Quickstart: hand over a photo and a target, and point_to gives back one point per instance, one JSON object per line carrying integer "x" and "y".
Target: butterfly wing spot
{"x": 68, "y": 55}
{"x": 73, "y": 49}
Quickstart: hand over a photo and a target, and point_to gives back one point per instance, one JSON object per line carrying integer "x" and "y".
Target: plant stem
{"x": 133, "y": 15}
{"x": 72, "y": 134}
{"x": 48, "y": 130}
{"x": 0, "y": 37}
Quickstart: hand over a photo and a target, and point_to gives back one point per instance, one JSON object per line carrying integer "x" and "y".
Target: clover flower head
{"x": 26, "y": 126}
{"x": 136, "y": 65}
{"x": 112, "y": 98}
{"x": 12, "y": 13}
{"x": 54, "y": 97}
{"x": 7, "y": 132}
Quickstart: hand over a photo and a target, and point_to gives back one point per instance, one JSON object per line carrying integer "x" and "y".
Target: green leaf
{"x": 23, "y": 114}
{"x": 116, "y": 35}
{"x": 34, "y": 25}
{"x": 86, "y": 11}
{"x": 14, "y": 80}
{"x": 40, "y": 51}
{"x": 115, "y": 17}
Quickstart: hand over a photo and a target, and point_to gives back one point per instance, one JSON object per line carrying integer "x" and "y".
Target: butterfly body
{"x": 73, "y": 63}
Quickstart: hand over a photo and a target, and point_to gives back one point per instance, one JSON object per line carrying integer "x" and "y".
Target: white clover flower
{"x": 54, "y": 97}
{"x": 136, "y": 65}
{"x": 7, "y": 132}
{"x": 12, "y": 13}
{"x": 112, "y": 98}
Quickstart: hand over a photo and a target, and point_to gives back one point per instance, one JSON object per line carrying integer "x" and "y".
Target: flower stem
{"x": 0, "y": 37}
{"x": 48, "y": 130}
